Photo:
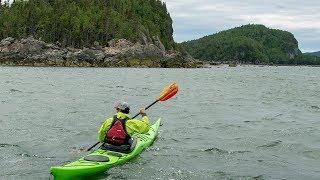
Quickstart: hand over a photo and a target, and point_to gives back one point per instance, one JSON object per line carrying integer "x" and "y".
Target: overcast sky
{"x": 196, "y": 18}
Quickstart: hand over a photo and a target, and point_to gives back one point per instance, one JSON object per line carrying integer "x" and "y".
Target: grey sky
{"x": 196, "y": 18}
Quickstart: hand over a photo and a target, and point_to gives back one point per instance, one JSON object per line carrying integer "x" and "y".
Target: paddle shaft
{"x": 93, "y": 146}
{"x": 132, "y": 118}
{"x": 146, "y": 108}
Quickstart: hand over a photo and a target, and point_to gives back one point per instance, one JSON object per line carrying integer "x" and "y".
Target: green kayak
{"x": 101, "y": 160}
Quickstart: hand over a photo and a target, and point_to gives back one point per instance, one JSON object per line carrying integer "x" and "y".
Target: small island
{"x": 89, "y": 34}
{"x": 250, "y": 44}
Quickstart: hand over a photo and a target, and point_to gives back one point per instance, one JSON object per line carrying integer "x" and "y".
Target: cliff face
{"x": 246, "y": 44}
{"x": 118, "y": 53}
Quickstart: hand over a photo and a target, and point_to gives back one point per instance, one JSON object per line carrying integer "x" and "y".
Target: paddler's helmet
{"x": 123, "y": 107}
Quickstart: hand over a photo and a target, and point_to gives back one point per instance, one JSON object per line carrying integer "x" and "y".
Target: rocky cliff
{"x": 119, "y": 53}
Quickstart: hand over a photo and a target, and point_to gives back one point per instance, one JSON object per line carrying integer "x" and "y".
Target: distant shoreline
{"x": 206, "y": 66}
{"x": 107, "y": 67}
{"x": 257, "y": 65}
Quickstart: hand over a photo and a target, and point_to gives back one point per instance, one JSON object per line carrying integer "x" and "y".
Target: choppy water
{"x": 226, "y": 123}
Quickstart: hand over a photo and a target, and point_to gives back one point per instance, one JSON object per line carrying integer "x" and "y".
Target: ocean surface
{"x": 247, "y": 122}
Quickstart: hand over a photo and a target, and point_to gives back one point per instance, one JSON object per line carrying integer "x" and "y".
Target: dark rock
{"x": 7, "y": 41}
{"x": 31, "y": 45}
{"x": 120, "y": 53}
{"x": 120, "y": 43}
{"x": 153, "y": 50}
{"x": 159, "y": 44}
{"x": 56, "y": 54}
{"x": 89, "y": 55}
{"x": 141, "y": 51}
{"x": 144, "y": 37}
{"x": 296, "y": 52}
{"x": 84, "y": 55}
{"x": 96, "y": 45}
{"x": 51, "y": 46}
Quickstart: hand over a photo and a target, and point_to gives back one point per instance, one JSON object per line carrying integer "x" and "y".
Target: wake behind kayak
{"x": 101, "y": 160}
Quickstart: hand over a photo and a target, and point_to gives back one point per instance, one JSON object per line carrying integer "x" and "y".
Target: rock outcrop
{"x": 119, "y": 53}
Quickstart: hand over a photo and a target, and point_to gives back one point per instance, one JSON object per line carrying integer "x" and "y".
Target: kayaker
{"x": 118, "y": 129}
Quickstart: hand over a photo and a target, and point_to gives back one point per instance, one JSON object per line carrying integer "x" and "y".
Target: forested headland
{"x": 112, "y": 33}
{"x": 250, "y": 44}
{"x": 79, "y": 23}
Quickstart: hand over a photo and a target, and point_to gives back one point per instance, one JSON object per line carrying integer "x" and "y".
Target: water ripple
{"x": 222, "y": 151}
{"x": 14, "y": 91}
{"x": 271, "y": 144}
{"x": 8, "y": 145}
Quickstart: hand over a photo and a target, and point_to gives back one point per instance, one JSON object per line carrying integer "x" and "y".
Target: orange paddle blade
{"x": 169, "y": 92}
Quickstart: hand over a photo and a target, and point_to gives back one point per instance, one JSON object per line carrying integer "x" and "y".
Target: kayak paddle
{"x": 166, "y": 94}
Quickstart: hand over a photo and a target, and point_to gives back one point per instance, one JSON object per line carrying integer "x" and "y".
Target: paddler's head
{"x": 122, "y": 107}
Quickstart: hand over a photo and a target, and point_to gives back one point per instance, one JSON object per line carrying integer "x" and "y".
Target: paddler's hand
{"x": 142, "y": 112}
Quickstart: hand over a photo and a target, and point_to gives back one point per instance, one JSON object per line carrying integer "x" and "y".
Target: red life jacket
{"x": 117, "y": 134}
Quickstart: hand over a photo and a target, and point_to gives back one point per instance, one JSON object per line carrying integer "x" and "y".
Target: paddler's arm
{"x": 138, "y": 126}
{"x": 103, "y": 129}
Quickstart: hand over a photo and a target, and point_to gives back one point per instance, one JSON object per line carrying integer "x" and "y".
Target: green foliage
{"x": 254, "y": 44}
{"x": 313, "y": 53}
{"x": 307, "y": 60}
{"x": 80, "y": 23}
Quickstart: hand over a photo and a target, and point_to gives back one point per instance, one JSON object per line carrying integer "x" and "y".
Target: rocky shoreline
{"x": 208, "y": 64}
{"x": 119, "y": 53}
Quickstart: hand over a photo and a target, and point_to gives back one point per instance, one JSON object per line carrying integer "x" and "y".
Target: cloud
{"x": 196, "y": 18}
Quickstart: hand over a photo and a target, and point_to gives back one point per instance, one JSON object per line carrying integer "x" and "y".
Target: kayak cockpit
{"x": 127, "y": 148}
